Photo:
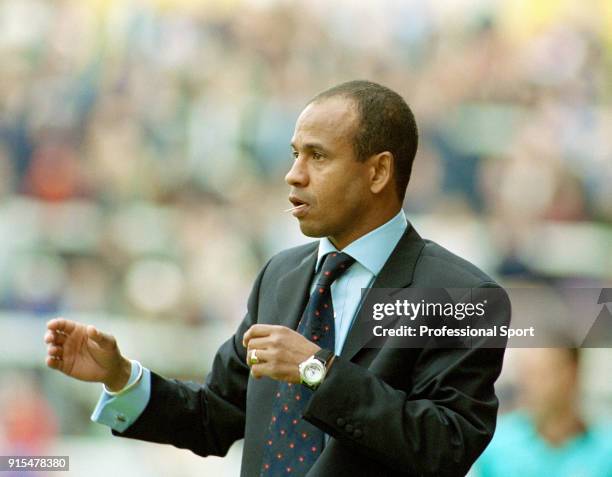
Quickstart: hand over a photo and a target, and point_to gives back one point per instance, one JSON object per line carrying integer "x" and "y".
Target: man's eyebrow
{"x": 310, "y": 145}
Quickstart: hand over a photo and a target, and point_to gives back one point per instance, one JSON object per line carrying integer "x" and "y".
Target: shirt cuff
{"x": 135, "y": 376}
{"x": 121, "y": 409}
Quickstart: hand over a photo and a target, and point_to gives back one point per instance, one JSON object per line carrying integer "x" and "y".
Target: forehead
{"x": 330, "y": 121}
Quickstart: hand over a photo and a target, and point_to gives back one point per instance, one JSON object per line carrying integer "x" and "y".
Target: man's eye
{"x": 295, "y": 154}
{"x": 317, "y": 156}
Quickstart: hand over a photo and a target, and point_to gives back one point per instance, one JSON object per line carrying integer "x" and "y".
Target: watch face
{"x": 313, "y": 373}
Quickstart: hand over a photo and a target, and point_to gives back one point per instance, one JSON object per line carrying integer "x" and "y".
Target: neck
{"x": 364, "y": 226}
{"x": 556, "y": 428}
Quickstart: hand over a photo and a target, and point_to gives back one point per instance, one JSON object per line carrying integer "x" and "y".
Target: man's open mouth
{"x": 299, "y": 206}
{"x": 297, "y": 202}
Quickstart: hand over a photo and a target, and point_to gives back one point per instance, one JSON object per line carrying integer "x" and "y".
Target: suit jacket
{"x": 388, "y": 411}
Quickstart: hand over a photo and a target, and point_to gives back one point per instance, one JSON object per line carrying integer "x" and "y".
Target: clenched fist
{"x": 83, "y": 352}
{"x": 279, "y": 351}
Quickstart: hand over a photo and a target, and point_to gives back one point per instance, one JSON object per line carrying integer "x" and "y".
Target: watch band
{"x": 324, "y": 355}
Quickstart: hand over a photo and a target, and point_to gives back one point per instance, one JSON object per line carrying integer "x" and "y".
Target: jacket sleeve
{"x": 438, "y": 427}
{"x": 204, "y": 418}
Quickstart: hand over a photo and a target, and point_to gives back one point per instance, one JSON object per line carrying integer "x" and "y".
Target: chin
{"x": 312, "y": 230}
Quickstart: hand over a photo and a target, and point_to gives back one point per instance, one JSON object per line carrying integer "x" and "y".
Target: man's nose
{"x": 297, "y": 175}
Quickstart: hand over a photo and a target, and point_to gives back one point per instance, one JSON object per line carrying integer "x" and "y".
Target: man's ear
{"x": 381, "y": 171}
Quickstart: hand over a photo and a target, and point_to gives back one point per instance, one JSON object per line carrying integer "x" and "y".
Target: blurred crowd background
{"x": 143, "y": 146}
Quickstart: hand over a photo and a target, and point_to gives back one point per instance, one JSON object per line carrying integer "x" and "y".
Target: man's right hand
{"x": 83, "y": 352}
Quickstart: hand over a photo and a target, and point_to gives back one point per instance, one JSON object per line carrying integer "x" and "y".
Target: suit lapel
{"x": 292, "y": 293}
{"x": 397, "y": 272}
{"x": 293, "y": 290}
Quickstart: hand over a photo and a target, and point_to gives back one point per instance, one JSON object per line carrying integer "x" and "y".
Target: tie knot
{"x": 334, "y": 265}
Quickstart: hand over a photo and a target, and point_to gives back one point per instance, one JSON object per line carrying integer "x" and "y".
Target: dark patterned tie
{"x": 292, "y": 444}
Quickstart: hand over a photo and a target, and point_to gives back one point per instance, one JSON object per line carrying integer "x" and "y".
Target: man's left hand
{"x": 279, "y": 351}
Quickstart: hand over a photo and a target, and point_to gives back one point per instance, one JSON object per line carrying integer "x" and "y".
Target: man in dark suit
{"x": 298, "y": 380}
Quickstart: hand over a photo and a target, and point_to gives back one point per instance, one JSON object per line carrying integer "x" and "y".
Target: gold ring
{"x": 253, "y": 359}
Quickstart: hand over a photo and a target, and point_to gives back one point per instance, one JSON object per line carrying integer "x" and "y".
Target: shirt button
{"x": 357, "y": 434}
{"x": 120, "y": 418}
{"x": 341, "y": 422}
{"x": 348, "y": 428}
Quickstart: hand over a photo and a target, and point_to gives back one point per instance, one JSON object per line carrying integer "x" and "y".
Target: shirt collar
{"x": 373, "y": 249}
